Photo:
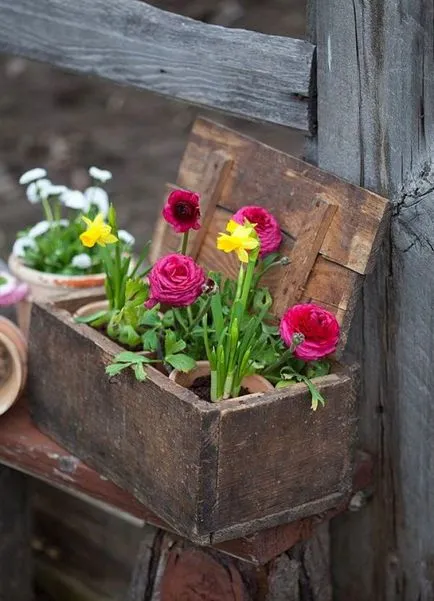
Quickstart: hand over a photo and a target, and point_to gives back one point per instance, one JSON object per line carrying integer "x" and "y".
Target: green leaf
{"x": 168, "y": 319}
{"x": 150, "y": 340}
{"x": 140, "y": 372}
{"x": 316, "y": 369}
{"x": 141, "y": 258}
{"x": 130, "y": 357}
{"x": 129, "y": 336}
{"x": 284, "y": 384}
{"x": 169, "y": 341}
{"x": 93, "y": 317}
{"x": 182, "y": 362}
{"x": 150, "y": 318}
{"x": 115, "y": 368}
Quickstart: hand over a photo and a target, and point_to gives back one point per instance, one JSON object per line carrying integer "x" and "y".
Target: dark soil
{"x": 202, "y": 388}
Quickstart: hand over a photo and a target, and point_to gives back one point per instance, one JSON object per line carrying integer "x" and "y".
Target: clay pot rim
{"x": 15, "y": 382}
{"x": 85, "y": 310}
{"x": 205, "y": 366}
{"x": 52, "y": 280}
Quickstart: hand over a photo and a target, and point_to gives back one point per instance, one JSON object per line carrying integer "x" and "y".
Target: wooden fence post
{"x": 15, "y": 549}
{"x": 376, "y": 128}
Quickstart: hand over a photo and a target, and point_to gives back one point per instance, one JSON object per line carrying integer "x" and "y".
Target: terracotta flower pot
{"x": 254, "y": 384}
{"x": 48, "y": 286}
{"x": 89, "y": 308}
{"x": 13, "y": 363}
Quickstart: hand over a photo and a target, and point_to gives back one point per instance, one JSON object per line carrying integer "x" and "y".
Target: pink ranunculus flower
{"x": 182, "y": 211}
{"x": 319, "y": 329}
{"x": 175, "y": 280}
{"x": 11, "y": 290}
{"x": 267, "y": 227}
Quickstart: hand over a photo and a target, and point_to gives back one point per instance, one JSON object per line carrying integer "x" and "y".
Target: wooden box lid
{"x": 331, "y": 228}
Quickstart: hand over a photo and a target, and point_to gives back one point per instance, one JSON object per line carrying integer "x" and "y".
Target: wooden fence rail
{"x": 240, "y": 72}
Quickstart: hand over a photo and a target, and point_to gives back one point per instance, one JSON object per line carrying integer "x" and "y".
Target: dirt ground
{"x": 66, "y": 122}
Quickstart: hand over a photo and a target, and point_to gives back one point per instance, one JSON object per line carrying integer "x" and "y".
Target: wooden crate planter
{"x": 219, "y": 471}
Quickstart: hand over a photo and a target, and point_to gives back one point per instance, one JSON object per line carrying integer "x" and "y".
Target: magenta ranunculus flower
{"x": 182, "y": 211}
{"x": 318, "y": 327}
{"x": 11, "y": 290}
{"x": 175, "y": 280}
{"x": 267, "y": 227}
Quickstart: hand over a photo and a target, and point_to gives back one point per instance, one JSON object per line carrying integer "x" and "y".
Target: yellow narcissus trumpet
{"x": 240, "y": 239}
{"x": 98, "y": 232}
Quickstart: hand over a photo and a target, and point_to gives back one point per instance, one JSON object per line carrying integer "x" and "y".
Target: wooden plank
{"x": 276, "y": 480}
{"x": 358, "y": 224}
{"x": 15, "y": 537}
{"x": 304, "y": 255}
{"x": 376, "y": 99}
{"x": 121, "y": 433}
{"x": 342, "y": 246}
{"x": 25, "y": 448}
{"x": 245, "y": 73}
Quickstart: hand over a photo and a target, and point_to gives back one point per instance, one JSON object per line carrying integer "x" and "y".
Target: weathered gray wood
{"x": 376, "y": 101}
{"x": 15, "y": 549}
{"x": 182, "y": 456}
{"x": 240, "y": 72}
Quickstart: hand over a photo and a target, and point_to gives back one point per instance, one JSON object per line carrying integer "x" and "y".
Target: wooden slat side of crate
{"x": 180, "y": 456}
{"x": 331, "y": 229}
{"x": 154, "y": 439}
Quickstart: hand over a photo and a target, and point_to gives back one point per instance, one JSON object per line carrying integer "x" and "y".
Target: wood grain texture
{"x": 376, "y": 128}
{"x": 331, "y": 229}
{"x": 173, "y": 452}
{"x": 24, "y": 448}
{"x": 241, "y": 72}
{"x": 148, "y": 439}
{"x": 277, "y": 478}
{"x": 15, "y": 537}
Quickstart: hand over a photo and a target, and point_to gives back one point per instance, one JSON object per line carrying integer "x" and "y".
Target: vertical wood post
{"x": 15, "y": 548}
{"x": 376, "y": 128}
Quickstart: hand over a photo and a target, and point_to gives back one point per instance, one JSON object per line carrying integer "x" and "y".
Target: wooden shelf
{"x": 23, "y": 447}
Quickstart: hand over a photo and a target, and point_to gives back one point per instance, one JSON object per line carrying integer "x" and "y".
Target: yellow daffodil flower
{"x": 97, "y": 232}
{"x": 240, "y": 239}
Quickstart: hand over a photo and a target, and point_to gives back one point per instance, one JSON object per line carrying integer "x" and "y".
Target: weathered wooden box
{"x": 216, "y": 472}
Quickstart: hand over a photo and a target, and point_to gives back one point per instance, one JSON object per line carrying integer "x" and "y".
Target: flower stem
{"x": 248, "y": 279}
{"x": 47, "y": 209}
{"x": 184, "y": 243}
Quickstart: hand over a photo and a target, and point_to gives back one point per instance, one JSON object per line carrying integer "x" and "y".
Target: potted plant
{"x": 214, "y": 460}
{"x": 13, "y": 347}
{"x": 48, "y": 256}
{"x": 211, "y": 335}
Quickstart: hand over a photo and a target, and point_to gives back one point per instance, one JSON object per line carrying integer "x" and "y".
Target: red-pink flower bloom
{"x": 175, "y": 280}
{"x": 318, "y": 327}
{"x": 182, "y": 211}
{"x": 11, "y": 290}
{"x": 267, "y": 227}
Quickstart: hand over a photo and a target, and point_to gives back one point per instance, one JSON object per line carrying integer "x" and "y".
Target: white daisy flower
{"x": 126, "y": 237}
{"x": 82, "y": 261}
{"x": 39, "y": 229}
{"x": 101, "y": 175}
{"x": 74, "y": 199}
{"x": 21, "y": 244}
{"x": 63, "y": 222}
{"x": 99, "y": 197}
{"x": 56, "y": 190}
{"x": 38, "y": 190}
{"x": 32, "y": 175}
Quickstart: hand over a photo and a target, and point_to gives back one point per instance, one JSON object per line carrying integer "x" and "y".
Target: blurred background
{"x": 65, "y": 123}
